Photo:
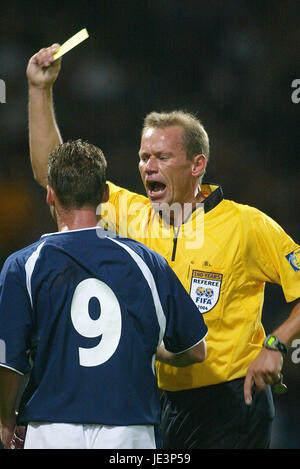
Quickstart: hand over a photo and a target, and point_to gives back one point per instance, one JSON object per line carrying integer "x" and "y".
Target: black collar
{"x": 213, "y": 194}
{"x": 213, "y": 198}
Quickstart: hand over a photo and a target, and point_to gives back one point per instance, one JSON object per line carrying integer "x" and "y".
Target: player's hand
{"x": 42, "y": 70}
{"x": 6, "y": 436}
{"x": 17, "y": 441}
{"x": 263, "y": 371}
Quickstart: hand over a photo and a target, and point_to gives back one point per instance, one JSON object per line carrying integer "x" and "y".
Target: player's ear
{"x": 105, "y": 196}
{"x": 50, "y": 196}
{"x": 199, "y": 165}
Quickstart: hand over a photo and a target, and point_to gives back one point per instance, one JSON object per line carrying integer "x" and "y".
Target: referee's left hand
{"x": 264, "y": 370}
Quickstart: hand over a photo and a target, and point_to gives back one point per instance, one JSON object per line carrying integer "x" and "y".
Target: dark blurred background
{"x": 230, "y": 62}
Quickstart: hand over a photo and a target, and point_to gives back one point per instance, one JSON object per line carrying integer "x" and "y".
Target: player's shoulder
{"x": 60, "y": 238}
{"x": 18, "y": 259}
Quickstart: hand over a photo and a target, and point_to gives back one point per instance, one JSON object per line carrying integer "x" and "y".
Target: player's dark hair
{"x": 77, "y": 173}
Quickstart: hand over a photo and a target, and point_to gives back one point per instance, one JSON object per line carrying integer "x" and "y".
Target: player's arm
{"x": 10, "y": 382}
{"x": 267, "y": 366}
{"x": 16, "y": 324}
{"x": 195, "y": 354}
{"x": 184, "y": 336}
{"x": 44, "y": 134}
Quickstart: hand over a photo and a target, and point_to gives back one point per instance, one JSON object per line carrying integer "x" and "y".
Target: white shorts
{"x": 41, "y": 435}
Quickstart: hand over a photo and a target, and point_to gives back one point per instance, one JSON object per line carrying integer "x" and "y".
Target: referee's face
{"x": 168, "y": 175}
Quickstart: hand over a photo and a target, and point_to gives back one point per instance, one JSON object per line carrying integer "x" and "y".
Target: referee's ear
{"x": 105, "y": 196}
{"x": 199, "y": 165}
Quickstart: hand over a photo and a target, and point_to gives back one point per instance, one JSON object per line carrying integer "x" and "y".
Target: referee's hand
{"x": 42, "y": 69}
{"x": 266, "y": 369}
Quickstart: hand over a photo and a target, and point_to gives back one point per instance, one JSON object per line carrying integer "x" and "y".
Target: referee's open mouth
{"x": 156, "y": 189}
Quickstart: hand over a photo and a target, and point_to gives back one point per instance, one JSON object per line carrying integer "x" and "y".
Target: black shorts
{"x": 216, "y": 417}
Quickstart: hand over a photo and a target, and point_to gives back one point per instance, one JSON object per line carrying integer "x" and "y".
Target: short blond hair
{"x": 195, "y": 138}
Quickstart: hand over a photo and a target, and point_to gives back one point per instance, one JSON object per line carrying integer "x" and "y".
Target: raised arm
{"x": 44, "y": 134}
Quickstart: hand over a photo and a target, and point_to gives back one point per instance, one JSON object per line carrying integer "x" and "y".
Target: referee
{"x": 223, "y": 253}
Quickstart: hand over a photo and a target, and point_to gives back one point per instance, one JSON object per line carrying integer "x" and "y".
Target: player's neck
{"x": 76, "y": 219}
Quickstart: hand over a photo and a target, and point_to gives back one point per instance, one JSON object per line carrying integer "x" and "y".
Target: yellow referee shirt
{"x": 223, "y": 254}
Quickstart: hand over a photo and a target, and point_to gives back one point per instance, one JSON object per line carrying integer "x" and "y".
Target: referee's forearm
{"x": 290, "y": 328}
{"x": 44, "y": 135}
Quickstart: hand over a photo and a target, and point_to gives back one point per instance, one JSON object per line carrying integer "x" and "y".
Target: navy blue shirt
{"x": 83, "y": 312}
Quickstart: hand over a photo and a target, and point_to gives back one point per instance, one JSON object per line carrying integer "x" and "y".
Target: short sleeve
{"x": 15, "y": 318}
{"x": 270, "y": 253}
{"x": 185, "y": 326}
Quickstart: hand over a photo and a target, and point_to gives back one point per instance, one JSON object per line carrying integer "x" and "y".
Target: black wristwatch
{"x": 273, "y": 343}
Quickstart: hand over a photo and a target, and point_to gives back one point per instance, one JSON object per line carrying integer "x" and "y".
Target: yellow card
{"x": 70, "y": 43}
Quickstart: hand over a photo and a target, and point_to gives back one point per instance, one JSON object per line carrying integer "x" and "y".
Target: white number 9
{"x": 108, "y": 325}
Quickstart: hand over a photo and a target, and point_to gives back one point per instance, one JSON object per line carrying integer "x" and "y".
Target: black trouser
{"x": 216, "y": 417}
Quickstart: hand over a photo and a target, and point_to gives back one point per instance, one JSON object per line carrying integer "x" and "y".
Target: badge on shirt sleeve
{"x": 205, "y": 289}
{"x": 294, "y": 259}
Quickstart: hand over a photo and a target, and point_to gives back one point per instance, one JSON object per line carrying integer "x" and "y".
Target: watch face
{"x": 271, "y": 341}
